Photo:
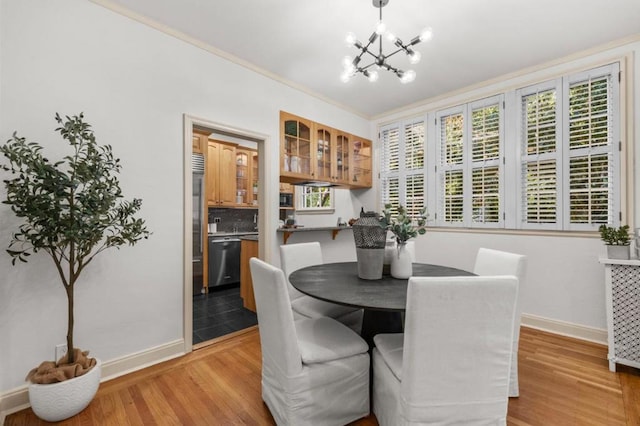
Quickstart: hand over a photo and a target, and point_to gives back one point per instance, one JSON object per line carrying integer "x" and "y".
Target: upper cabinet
{"x": 361, "y": 150}
{"x": 221, "y": 174}
{"x": 313, "y": 151}
{"x": 199, "y": 142}
{"x": 296, "y": 148}
{"x": 246, "y": 177}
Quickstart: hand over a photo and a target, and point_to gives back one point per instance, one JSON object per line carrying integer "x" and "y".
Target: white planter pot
{"x": 401, "y": 264}
{"x": 58, "y": 401}
{"x": 618, "y": 252}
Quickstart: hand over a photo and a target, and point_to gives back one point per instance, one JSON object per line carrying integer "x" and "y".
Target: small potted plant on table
{"x": 403, "y": 229}
{"x": 617, "y": 241}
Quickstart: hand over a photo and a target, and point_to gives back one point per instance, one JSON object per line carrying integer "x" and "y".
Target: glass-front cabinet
{"x": 254, "y": 178}
{"x": 324, "y": 153}
{"x": 246, "y": 177}
{"x": 243, "y": 176}
{"x": 361, "y": 163}
{"x": 343, "y": 158}
{"x": 313, "y": 151}
{"x": 296, "y": 147}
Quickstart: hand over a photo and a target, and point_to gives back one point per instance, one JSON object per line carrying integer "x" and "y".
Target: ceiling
{"x": 302, "y": 41}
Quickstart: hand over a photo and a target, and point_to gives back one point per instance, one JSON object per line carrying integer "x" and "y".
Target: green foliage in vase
{"x": 402, "y": 225}
{"x": 72, "y": 209}
{"x": 615, "y": 236}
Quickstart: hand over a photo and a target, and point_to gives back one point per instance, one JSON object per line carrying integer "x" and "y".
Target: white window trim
{"x": 300, "y": 204}
{"x": 467, "y": 165}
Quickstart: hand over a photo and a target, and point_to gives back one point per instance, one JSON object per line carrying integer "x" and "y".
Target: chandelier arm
{"x": 391, "y": 54}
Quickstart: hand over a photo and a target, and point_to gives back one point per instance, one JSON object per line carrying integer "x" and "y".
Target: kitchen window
{"x": 314, "y": 199}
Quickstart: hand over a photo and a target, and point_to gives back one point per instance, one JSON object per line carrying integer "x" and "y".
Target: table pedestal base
{"x": 376, "y": 322}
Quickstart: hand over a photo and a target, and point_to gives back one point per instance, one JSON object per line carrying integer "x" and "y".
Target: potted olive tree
{"x": 617, "y": 241}
{"x": 71, "y": 209}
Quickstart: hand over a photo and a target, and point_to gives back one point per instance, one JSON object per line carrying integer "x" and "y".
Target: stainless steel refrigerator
{"x": 197, "y": 166}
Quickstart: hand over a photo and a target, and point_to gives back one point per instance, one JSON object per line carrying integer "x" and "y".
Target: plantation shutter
{"x": 591, "y": 149}
{"x": 486, "y": 154}
{"x": 450, "y": 168}
{"x": 390, "y": 166}
{"x": 540, "y": 158}
{"x": 414, "y": 190}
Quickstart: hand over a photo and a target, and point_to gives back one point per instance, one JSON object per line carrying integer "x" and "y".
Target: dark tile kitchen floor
{"x": 220, "y": 312}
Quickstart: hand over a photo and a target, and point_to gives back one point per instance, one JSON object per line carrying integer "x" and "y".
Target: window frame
{"x": 301, "y": 193}
{"x": 402, "y": 175}
{"x": 512, "y": 214}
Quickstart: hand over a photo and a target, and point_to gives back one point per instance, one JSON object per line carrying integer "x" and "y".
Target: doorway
{"x": 217, "y": 311}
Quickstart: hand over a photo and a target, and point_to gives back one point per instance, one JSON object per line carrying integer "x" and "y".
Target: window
{"x": 314, "y": 199}
{"x": 548, "y": 158}
{"x": 402, "y": 171}
{"x": 469, "y": 168}
{"x": 569, "y": 178}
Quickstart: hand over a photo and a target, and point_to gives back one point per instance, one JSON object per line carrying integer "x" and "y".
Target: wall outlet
{"x": 61, "y": 350}
{"x": 216, "y": 220}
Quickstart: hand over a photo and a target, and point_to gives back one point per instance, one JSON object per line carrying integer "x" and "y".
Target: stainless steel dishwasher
{"x": 224, "y": 260}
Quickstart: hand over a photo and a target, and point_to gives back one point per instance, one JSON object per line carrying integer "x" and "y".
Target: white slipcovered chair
{"x": 298, "y": 256}
{"x": 314, "y": 371}
{"x": 495, "y": 262}
{"x": 451, "y": 365}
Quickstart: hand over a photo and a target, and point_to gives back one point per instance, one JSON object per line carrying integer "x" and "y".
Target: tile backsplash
{"x": 235, "y": 220}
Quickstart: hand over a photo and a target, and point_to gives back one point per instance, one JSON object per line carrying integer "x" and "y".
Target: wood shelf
{"x": 286, "y": 232}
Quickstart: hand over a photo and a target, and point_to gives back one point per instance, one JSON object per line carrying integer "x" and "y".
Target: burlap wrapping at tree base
{"x": 51, "y": 372}
{"x": 370, "y": 239}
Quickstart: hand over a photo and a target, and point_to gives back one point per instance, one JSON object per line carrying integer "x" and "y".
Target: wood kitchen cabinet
{"x": 361, "y": 158}
{"x": 296, "y": 149}
{"x": 255, "y": 177}
{"x": 199, "y": 141}
{"x": 221, "y": 174}
{"x": 246, "y": 177}
{"x": 248, "y": 249}
{"x": 311, "y": 151}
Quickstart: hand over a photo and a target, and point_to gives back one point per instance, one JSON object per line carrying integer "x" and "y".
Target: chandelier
{"x": 352, "y": 66}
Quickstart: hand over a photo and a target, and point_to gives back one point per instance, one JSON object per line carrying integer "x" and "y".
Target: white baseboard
{"x": 563, "y": 328}
{"x": 18, "y": 399}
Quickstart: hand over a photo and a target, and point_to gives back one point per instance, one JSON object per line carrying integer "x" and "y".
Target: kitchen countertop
{"x": 249, "y": 237}
{"x": 232, "y": 234}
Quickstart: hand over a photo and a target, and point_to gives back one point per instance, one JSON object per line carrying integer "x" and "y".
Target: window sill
{"x": 531, "y": 232}
{"x": 315, "y": 211}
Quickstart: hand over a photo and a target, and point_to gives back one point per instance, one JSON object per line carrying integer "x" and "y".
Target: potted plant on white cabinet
{"x": 617, "y": 241}
{"x": 72, "y": 210}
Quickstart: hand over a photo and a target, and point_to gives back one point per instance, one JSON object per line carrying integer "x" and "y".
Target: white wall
{"x": 134, "y": 84}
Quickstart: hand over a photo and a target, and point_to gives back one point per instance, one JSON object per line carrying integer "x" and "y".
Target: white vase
{"x": 58, "y": 401}
{"x": 401, "y": 264}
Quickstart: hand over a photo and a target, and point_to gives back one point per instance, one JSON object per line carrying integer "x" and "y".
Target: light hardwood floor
{"x": 563, "y": 381}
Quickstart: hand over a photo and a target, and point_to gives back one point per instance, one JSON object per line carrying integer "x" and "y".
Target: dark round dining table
{"x": 383, "y": 300}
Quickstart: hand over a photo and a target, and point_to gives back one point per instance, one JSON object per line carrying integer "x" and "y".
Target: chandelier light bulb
{"x": 372, "y": 76}
{"x": 391, "y": 37}
{"x": 347, "y": 61}
{"x": 414, "y": 57}
{"x": 408, "y": 77}
{"x": 380, "y": 28}
{"x": 351, "y": 39}
{"x": 345, "y": 77}
{"x": 426, "y": 34}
